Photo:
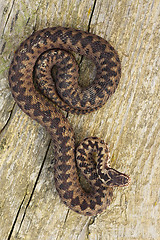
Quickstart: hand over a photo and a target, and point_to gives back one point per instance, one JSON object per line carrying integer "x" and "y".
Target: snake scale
{"x": 34, "y": 59}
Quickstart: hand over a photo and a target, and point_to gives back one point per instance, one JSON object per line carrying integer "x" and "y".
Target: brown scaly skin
{"x": 39, "y": 108}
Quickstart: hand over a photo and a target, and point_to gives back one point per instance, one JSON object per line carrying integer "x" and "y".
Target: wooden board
{"x": 30, "y": 207}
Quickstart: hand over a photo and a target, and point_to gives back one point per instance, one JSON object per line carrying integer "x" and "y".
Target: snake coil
{"x": 36, "y": 57}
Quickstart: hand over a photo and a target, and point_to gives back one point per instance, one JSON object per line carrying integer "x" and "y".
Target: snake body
{"x": 53, "y": 46}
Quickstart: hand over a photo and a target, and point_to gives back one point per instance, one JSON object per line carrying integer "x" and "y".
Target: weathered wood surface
{"x": 30, "y": 207}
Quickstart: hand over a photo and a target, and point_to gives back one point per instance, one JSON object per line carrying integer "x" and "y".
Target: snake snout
{"x": 122, "y": 180}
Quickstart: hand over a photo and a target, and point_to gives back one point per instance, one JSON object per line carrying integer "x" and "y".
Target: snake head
{"x": 113, "y": 178}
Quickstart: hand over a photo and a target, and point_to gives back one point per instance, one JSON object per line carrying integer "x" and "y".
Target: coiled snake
{"x": 43, "y": 50}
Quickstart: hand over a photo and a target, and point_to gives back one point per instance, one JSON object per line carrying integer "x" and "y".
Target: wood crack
{"x": 27, "y": 205}
{"x": 92, "y": 12}
{"x": 9, "y": 118}
{"x": 89, "y": 25}
{"x": 14, "y": 223}
{"x": 7, "y": 19}
{"x": 65, "y": 220}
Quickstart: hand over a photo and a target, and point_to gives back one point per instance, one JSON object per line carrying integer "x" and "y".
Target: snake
{"x": 43, "y": 77}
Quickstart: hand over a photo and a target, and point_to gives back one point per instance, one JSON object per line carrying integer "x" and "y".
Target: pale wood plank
{"x": 129, "y": 122}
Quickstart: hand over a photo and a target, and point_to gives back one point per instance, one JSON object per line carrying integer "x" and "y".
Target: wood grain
{"x": 130, "y": 122}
